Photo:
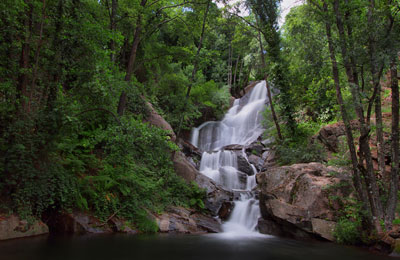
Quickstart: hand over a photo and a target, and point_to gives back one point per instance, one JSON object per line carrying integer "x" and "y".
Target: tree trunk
{"x": 113, "y": 27}
{"x": 23, "y": 78}
{"x": 373, "y": 191}
{"x": 376, "y": 83}
{"x": 271, "y": 104}
{"x": 357, "y": 180}
{"x": 234, "y": 75}
{"x": 230, "y": 67}
{"x": 37, "y": 55}
{"x": 240, "y": 78}
{"x": 131, "y": 62}
{"x": 394, "y": 174}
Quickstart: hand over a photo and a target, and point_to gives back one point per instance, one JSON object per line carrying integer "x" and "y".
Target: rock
{"x": 245, "y": 92}
{"x": 76, "y": 223}
{"x": 256, "y": 161}
{"x": 216, "y": 195}
{"x": 181, "y": 220}
{"x": 324, "y": 228}
{"x": 255, "y": 149}
{"x": 329, "y": 135}
{"x": 225, "y": 210}
{"x": 120, "y": 226}
{"x": 156, "y": 120}
{"x": 244, "y": 165}
{"x": 268, "y": 142}
{"x": 191, "y": 152}
{"x": 14, "y": 227}
{"x": 236, "y": 147}
{"x": 299, "y": 198}
{"x": 269, "y": 161}
{"x": 184, "y": 168}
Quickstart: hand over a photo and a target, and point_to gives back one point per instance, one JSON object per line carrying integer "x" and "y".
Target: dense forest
{"x": 79, "y": 78}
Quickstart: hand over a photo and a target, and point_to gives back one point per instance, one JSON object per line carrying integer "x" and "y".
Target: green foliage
{"x": 348, "y": 232}
{"x": 298, "y": 148}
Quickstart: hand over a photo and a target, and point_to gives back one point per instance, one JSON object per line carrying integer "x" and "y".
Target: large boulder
{"x": 329, "y": 135}
{"x": 184, "y": 168}
{"x": 216, "y": 195}
{"x": 13, "y": 226}
{"x": 302, "y": 200}
{"x": 155, "y": 119}
{"x": 181, "y": 220}
{"x": 76, "y": 223}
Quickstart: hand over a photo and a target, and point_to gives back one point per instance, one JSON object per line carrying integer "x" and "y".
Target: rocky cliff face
{"x": 14, "y": 227}
{"x": 302, "y": 200}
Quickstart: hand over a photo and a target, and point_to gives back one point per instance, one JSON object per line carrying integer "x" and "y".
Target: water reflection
{"x": 149, "y": 247}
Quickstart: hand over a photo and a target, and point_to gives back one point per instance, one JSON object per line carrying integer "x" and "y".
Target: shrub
{"x": 348, "y": 232}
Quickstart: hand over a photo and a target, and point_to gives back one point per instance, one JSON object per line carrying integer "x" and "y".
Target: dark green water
{"x": 206, "y": 247}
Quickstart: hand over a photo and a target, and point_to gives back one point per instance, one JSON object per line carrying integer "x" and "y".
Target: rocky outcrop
{"x": 155, "y": 119}
{"x": 184, "y": 168}
{"x": 329, "y": 135}
{"x": 76, "y": 223}
{"x": 79, "y": 223}
{"x": 216, "y": 195}
{"x": 302, "y": 200}
{"x": 191, "y": 152}
{"x": 181, "y": 220}
{"x": 13, "y": 226}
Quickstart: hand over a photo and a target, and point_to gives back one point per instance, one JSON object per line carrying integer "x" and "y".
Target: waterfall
{"x": 241, "y": 125}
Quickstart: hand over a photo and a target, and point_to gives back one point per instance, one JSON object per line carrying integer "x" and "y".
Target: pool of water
{"x": 204, "y": 247}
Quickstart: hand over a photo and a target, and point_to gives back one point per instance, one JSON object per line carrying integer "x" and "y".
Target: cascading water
{"x": 241, "y": 125}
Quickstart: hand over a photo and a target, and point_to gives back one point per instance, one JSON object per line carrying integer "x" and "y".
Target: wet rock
{"x": 181, "y": 220}
{"x": 256, "y": 161}
{"x": 299, "y": 198}
{"x": 245, "y": 93}
{"x": 244, "y": 165}
{"x": 191, "y": 152}
{"x": 255, "y": 149}
{"x": 216, "y": 195}
{"x": 231, "y": 147}
{"x": 76, "y": 223}
{"x": 269, "y": 161}
{"x": 268, "y": 142}
{"x": 14, "y": 227}
{"x": 121, "y": 226}
{"x": 225, "y": 210}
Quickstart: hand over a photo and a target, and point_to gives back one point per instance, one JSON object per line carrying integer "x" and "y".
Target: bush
{"x": 348, "y": 232}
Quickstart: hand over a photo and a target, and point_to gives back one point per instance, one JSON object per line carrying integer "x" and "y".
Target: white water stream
{"x": 241, "y": 125}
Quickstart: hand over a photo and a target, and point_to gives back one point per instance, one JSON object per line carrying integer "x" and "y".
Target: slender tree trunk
{"x": 394, "y": 174}
{"x": 113, "y": 27}
{"x": 240, "y": 77}
{"x": 376, "y": 83}
{"x": 357, "y": 180}
{"x": 373, "y": 191}
{"x": 23, "y": 79}
{"x": 37, "y": 55}
{"x": 271, "y": 104}
{"x": 230, "y": 67}
{"x": 56, "y": 72}
{"x": 234, "y": 75}
{"x": 131, "y": 62}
